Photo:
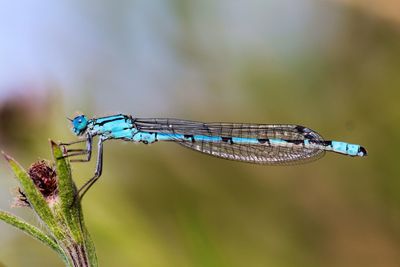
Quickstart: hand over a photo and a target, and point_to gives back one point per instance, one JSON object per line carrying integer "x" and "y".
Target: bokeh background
{"x": 330, "y": 65}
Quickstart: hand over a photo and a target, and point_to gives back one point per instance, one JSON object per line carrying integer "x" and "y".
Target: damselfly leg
{"x": 88, "y": 152}
{"x": 79, "y": 151}
{"x": 99, "y": 169}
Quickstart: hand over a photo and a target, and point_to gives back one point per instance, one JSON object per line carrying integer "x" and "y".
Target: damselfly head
{"x": 79, "y": 124}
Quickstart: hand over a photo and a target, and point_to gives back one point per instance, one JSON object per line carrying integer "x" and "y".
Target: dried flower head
{"x": 45, "y": 178}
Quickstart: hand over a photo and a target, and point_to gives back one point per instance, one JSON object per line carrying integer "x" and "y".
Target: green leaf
{"x": 33, "y": 232}
{"x": 35, "y": 198}
{"x": 66, "y": 186}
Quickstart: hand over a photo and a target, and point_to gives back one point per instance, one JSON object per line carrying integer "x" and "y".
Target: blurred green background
{"x": 330, "y": 65}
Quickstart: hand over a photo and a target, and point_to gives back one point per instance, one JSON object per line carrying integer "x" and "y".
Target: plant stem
{"x": 51, "y": 193}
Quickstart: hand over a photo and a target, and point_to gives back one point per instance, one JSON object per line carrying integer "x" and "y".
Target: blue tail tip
{"x": 362, "y": 152}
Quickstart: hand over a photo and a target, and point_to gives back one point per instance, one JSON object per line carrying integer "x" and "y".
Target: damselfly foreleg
{"x": 78, "y": 151}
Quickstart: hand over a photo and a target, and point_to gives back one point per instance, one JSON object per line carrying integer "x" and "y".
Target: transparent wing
{"x": 262, "y": 153}
{"x": 248, "y": 130}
